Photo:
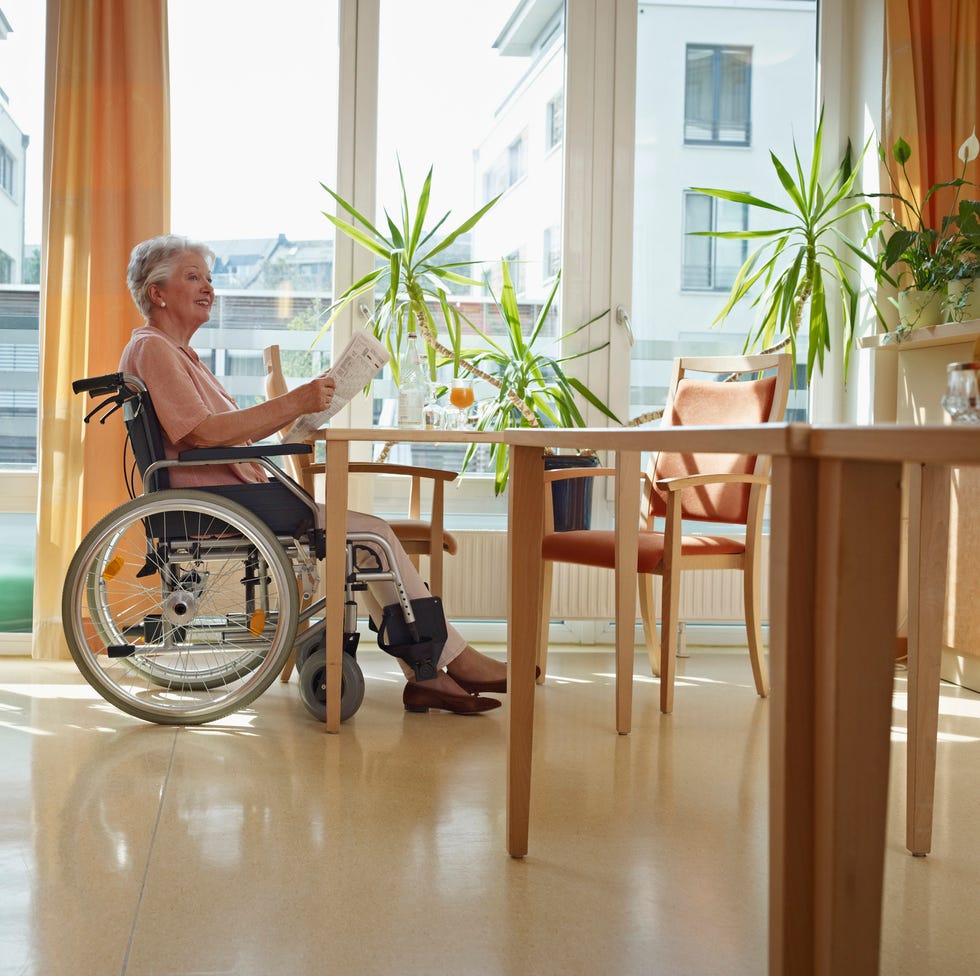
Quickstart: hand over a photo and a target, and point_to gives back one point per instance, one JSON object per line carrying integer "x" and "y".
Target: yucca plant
{"x": 801, "y": 267}
{"x": 521, "y": 369}
{"x": 412, "y": 278}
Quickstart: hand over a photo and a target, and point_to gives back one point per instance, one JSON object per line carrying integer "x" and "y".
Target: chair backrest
{"x": 275, "y": 385}
{"x": 719, "y": 391}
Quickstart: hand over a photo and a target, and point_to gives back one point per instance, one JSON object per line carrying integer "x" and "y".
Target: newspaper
{"x": 356, "y": 366}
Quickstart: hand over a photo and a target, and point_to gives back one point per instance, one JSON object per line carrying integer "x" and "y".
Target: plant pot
{"x": 963, "y": 299}
{"x": 919, "y": 309}
{"x": 572, "y": 499}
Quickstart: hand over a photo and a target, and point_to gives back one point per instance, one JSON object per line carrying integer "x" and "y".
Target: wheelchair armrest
{"x": 243, "y": 453}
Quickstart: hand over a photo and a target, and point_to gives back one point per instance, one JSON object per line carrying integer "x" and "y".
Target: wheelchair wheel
{"x": 180, "y": 607}
{"x": 313, "y": 685}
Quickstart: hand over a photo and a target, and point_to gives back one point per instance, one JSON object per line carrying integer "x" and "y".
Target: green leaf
{"x": 737, "y": 197}
{"x": 901, "y": 151}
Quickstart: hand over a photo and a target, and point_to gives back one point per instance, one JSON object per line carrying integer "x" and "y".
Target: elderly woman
{"x": 169, "y": 278}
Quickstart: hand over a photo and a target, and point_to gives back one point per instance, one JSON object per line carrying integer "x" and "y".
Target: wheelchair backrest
{"x": 142, "y": 427}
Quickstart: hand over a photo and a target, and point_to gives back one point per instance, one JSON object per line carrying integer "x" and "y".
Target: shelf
{"x": 947, "y": 334}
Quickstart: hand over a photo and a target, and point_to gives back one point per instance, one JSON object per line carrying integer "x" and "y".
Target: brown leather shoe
{"x": 418, "y": 698}
{"x": 498, "y": 687}
{"x": 475, "y": 687}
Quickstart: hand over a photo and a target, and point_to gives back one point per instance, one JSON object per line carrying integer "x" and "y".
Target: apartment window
{"x": 554, "y": 121}
{"x": 552, "y": 252}
{"x": 711, "y": 263}
{"x": 717, "y": 85}
{"x": 6, "y": 269}
{"x": 6, "y": 170}
{"x": 508, "y": 168}
{"x": 516, "y": 160}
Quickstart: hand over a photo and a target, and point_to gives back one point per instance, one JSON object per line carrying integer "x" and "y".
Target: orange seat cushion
{"x": 597, "y": 547}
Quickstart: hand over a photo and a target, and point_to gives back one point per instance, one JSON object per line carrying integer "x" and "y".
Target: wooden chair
{"x": 689, "y": 488}
{"x": 418, "y": 536}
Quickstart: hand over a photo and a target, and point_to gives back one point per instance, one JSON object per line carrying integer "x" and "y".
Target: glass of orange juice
{"x": 460, "y": 400}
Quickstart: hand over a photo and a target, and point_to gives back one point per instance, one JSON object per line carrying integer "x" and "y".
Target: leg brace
{"x": 418, "y": 641}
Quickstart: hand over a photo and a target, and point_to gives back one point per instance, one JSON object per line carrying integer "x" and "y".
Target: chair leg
{"x": 287, "y": 669}
{"x": 753, "y": 627}
{"x": 644, "y": 585}
{"x": 547, "y": 573}
{"x": 669, "y": 600}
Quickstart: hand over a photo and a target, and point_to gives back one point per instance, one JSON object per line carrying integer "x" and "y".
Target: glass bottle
{"x": 413, "y": 386}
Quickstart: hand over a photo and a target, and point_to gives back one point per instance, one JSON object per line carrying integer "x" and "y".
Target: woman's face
{"x": 187, "y": 295}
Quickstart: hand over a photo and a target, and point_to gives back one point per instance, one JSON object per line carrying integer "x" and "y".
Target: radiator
{"x": 475, "y": 587}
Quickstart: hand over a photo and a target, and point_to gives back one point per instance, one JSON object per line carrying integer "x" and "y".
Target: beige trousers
{"x": 380, "y": 595}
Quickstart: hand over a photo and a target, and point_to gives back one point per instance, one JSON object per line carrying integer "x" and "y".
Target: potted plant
{"x": 522, "y": 367}
{"x": 413, "y": 278}
{"x": 962, "y": 297}
{"x": 798, "y": 270}
{"x": 914, "y": 257}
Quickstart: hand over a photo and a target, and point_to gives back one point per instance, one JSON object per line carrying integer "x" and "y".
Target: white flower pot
{"x": 919, "y": 309}
{"x": 964, "y": 299}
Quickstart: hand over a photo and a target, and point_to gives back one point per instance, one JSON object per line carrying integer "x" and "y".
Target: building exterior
{"x": 719, "y": 84}
{"x": 13, "y": 156}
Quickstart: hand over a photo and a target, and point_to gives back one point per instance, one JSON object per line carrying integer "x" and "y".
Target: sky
{"x": 254, "y": 105}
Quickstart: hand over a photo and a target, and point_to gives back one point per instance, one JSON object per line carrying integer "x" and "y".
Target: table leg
{"x": 927, "y": 563}
{"x": 834, "y": 580}
{"x": 627, "y": 522}
{"x": 525, "y": 529}
{"x": 334, "y": 571}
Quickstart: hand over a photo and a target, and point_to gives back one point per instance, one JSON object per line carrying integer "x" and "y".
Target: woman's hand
{"x": 317, "y": 394}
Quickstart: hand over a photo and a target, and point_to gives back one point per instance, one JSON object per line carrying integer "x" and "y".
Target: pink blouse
{"x": 184, "y": 394}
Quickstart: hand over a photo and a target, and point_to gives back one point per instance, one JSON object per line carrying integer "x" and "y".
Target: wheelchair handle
{"x": 109, "y": 383}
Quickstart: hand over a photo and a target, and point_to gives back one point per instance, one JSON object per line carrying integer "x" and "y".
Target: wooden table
{"x": 834, "y": 549}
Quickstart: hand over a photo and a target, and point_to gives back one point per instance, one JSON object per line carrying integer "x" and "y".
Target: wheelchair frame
{"x": 182, "y": 606}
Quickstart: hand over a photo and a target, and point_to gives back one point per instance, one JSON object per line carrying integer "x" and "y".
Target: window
{"x": 507, "y": 170}
{"x": 552, "y": 252}
{"x": 6, "y": 269}
{"x": 554, "y": 121}
{"x": 516, "y": 161}
{"x": 711, "y": 263}
{"x": 6, "y": 170}
{"x": 716, "y": 95}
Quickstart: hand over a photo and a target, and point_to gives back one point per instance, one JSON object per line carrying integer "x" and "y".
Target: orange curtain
{"x": 932, "y": 89}
{"x": 106, "y": 187}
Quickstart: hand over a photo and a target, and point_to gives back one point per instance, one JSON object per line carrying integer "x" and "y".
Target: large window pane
{"x": 254, "y": 132}
{"x": 21, "y": 153}
{"x": 483, "y": 105}
{"x": 21, "y": 135}
{"x": 717, "y": 88}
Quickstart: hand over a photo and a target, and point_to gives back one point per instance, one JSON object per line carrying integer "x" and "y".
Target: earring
{"x": 163, "y": 304}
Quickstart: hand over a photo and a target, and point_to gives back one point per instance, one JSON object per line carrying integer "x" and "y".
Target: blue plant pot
{"x": 572, "y": 499}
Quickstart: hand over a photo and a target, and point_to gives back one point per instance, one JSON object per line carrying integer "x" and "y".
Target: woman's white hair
{"x": 152, "y": 262}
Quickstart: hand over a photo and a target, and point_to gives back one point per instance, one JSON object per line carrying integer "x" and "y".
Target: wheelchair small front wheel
{"x": 313, "y": 685}
{"x": 180, "y": 607}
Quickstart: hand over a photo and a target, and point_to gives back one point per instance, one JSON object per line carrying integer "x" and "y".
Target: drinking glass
{"x": 962, "y": 400}
{"x": 461, "y": 397}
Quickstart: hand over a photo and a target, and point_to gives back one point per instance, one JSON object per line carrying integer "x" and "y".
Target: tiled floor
{"x": 263, "y": 846}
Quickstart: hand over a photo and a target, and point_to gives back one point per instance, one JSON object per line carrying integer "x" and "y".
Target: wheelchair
{"x": 182, "y": 606}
